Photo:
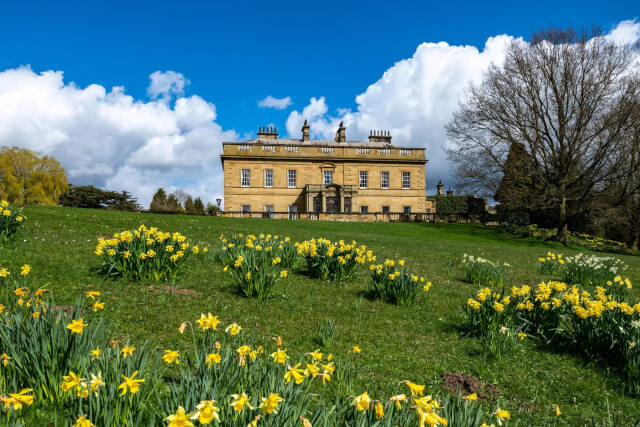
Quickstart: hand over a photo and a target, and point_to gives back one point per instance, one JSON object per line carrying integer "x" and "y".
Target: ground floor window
{"x": 268, "y": 208}
{"x": 385, "y": 209}
{"x": 406, "y": 209}
{"x": 347, "y": 204}
{"x": 364, "y": 209}
{"x": 293, "y": 212}
{"x": 246, "y": 208}
{"x": 332, "y": 204}
{"x": 317, "y": 204}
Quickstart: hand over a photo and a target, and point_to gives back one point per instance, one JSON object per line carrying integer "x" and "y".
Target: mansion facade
{"x": 268, "y": 174}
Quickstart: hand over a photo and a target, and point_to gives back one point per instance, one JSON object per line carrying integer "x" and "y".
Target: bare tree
{"x": 568, "y": 98}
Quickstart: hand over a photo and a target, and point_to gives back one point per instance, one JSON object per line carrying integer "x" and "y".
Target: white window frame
{"x": 292, "y": 177}
{"x": 268, "y": 173}
{"x": 326, "y": 174}
{"x": 406, "y": 184}
{"x": 364, "y": 178}
{"x": 382, "y": 180}
{"x": 245, "y": 181}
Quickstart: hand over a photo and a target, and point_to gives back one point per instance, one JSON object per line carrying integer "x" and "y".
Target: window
{"x": 246, "y": 208}
{"x": 385, "y": 209}
{"x": 268, "y": 208}
{"x": 364, "y": 179}
{"x": 406, "y": 180}
{"x": 291, "y": 178}
{"x": 245, "y": 180}
{"x": 328, "y": 177}
{"x": 332, "y": 204}
{"x": 384, "y": 179}
{"x": 268, "y": 177}
{"x": 364, "y": 209}
{"x": 347, "y": 204}
{"x": 317, "y": 204}
{"x": 293, "y": 211}
{"x": 406, "y": 209}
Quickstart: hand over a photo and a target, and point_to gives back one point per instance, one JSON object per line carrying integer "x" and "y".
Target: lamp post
{"x": 218, "y": 201}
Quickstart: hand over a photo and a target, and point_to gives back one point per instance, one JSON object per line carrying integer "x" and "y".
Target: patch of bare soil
{"x": 466, "y": 384}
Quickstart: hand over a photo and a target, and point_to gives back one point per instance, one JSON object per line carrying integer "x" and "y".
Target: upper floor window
{"x": 245, "y": 179}
{"x": 384, "y": 179}
{"x": 406, "y": 180}
{"x": 328, "y": 177}
{"x": 364, "y": 179}
{"x": 268, "y": 177}
{"x": 291, "y": 178}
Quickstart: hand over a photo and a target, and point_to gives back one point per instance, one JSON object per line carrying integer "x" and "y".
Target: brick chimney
{"x": 341, "y": 134}
{"x": 380, "y": 136}
{"x": 449, "y": 192}
{"x": 305, "y": 131}
{"x": 440, "y": 189}
{"x": 269, "y": 132}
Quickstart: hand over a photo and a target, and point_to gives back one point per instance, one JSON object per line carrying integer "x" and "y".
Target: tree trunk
{"x": 561, "y": 234}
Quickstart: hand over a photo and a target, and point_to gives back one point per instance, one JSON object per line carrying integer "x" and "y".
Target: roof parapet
{"x": 269, "y": 132}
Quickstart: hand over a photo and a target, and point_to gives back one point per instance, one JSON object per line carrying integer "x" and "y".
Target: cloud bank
{"x": 417, "y": 96}
{"x": 277, "y": 103}
{"x": 111, "y": 140}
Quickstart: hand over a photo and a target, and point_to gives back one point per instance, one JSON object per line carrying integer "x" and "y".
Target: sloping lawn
{"x": 418, "y": 342}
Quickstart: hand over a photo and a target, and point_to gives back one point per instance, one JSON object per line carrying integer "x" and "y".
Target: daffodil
{"x": 472, "y": 396}
{"x": 280, "y": 356}
{"x": 240, "y": 401}
{"x": 25, "y": 269}
{"x": 127, "y": 351}
{"x": 76, "y": 326}
{"x": 416, "y": 389}
{"x": 296, "y": 373}
{"x": 70, "y": 381}
{"x": 179, "y": 419}
{"x": 92, "y": 294}
{"x": 398, "y": 399}
{"x": 356, "y": 349}
{"x": 233, "y": 329}
{"x": 362, "y": 402}
{"x": 206, "y": 412}
{"x": 270, "y": 404}
{"x": 98, "y": 306}
{"x": 82, "y": 421}
{"x": 379, "y": 410}
{"x": 212, "y": 358}
{"x": 129, "y": 384}
{"x": 171, "y": 356}
{"x": 95, "y": 353}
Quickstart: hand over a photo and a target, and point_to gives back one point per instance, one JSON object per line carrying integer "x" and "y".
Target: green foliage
{"x": 483, "y": 272}
{"x": 144, "y": 254}
{"x": 198, "y": 207}
{"x": 211, "y": 209}
{"x": 395, "y": 284}
{"x": 326, "y": 332}
{"x": 586, "y": 270}
{"x": 11, "y": 219}
{"x": 451, "y": 204}
{"x": 334, "y": 261}
{"x": 26, "y": 177}
{"x": 551, "y": 264}
{"x": 88, "y": 196}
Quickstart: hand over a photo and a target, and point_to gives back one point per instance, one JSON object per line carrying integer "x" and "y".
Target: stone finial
{"x": 341, "y": 134}
{"x": 305, "y": 131}
{"x": 440, "y": 188}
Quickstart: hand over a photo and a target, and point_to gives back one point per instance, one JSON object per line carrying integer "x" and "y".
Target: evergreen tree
{"x": 198, "y": 206}
{"x": 189, "y": 206}
{"x": 159, "y": 203}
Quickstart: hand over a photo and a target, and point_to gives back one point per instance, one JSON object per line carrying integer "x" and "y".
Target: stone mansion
{"x": 268, "y": 174}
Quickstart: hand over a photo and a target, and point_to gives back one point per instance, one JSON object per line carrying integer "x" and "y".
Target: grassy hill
{"x": 418, "y": 342}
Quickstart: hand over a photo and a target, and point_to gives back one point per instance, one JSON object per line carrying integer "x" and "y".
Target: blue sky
{"x": 233, "y": 55}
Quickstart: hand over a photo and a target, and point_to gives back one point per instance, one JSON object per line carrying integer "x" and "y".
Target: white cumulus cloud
{"x": 417, "y": 96}
{"x": 277, "y": 103}
{"x": 111, "y": 140}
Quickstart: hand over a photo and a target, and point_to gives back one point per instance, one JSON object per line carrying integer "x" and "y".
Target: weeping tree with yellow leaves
{"x": 26, "y": 177}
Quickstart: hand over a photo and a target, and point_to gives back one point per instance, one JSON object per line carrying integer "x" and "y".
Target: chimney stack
{"x": 269, "y": 132}
{"x": 305, "y": 131}
{"x": 449, "y": 192}
{"x": 440, "y": 189}
{"x": 341, "y": 134}
{"x": 380, "y": 136}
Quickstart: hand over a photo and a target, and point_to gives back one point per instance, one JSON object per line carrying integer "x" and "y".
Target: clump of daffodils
{"x": 145, "y": 254}
{"x": 10, "y": 220}
{"x": 550, "y": 264}
{"x": 587, "y": 270}
{"x": 482, "y": 272}
{"x": 335, "y": 261}
{"x": 391, "y": 281}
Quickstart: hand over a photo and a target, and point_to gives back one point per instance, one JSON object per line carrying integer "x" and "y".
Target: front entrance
{"x": 332, "y": 204}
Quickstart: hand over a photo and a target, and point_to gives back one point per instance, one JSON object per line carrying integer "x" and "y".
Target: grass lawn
{"x": 418, "y": 342}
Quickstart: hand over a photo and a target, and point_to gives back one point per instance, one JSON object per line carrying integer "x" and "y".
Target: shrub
{"x": 591, "y": 269}
{"x": 335, "y": 261}
{"x": 394, "y": 285}
{"x": 483, "y": 272}
{"x": 144, "y": 254}
{"x": 10, "y": 220}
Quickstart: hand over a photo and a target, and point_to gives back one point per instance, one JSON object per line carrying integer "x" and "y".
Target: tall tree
{"x": 198, "y": 206}
{"x": 568, "y": 98}
{"x": 159, "y": 201}
{"x": 28, "y": 177}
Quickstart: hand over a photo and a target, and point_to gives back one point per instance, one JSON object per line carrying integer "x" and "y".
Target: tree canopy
{"x": 30, "y": 178}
